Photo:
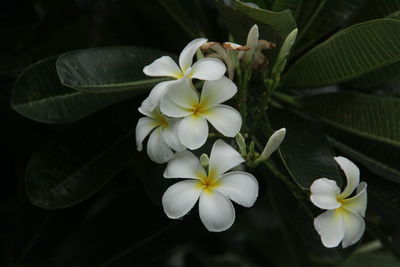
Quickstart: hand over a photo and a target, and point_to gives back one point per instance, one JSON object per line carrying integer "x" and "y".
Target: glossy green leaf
{"x": 108, "y": 69}
{"x": 76, "y": 164}
{"x": 305, "y": 150}
{"x": 39, "y": 95}
{"x": 348, "y": 54}
{"x": 373, "y": 117}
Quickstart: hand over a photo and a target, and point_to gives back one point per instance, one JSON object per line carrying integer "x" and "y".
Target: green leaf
{"x": 39, "y": 95}
{"x": 317, "y": 19}
{"x": 378, "y": 9}
{"x": 305, "y": 150}
{"x": 108, "y": 69}
{"x": 381, "y": 159}
{"x": 348, "y": 54}
{"x": 76, "y": 164}
{"x": 365, "y": 115}
{"x": 384, "y": 192}
{"x": 282, "y": 5}
{"x": 371, "y": 260}
{"x": 385, "y": 74}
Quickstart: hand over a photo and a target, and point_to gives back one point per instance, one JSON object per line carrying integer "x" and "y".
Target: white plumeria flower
{"x": 162, "y": 139}
{"x": 204, "y": 69}
{"x": 343, "y": 222}
{"x": 182, "y": 101}
{"x": 214, "y": 188}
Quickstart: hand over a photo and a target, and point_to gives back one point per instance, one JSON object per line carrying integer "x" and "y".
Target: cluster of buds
{"x": 233, "y": 54}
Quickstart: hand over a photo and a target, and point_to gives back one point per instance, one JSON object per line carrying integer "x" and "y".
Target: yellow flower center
{"x": 198, "y": 109}
{"x": 208, "y": 183}
{"x": 160, "y": 120}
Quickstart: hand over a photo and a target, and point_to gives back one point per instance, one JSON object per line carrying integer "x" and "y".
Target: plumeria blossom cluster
{"x": 176, "y": 119}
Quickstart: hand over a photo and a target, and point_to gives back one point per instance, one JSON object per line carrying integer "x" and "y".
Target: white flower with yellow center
{"x": 162, "y": 139}
{"x": 204, "y": 69}
{"x": 214, "y": 188}
{"x": 183, "y": 101}
{"x": 343, "y": 222}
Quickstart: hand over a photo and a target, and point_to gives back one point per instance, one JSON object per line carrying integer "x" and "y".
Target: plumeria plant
{"x": 258, "y": 124}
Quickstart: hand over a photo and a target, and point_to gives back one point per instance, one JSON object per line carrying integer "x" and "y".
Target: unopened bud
{"x": 204, "y": 160}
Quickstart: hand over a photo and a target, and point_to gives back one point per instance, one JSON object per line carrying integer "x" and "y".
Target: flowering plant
{"x": 265, "y": 123}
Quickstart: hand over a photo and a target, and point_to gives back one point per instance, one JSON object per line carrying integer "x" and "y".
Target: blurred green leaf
{"x": 371, "y": 260}
{"x": 108, "y": 69}
{"x": 39, "y": 95}
{"x": 348, "y": 54}
{"x": 73, "y": 166}
{"x": 12, "y": 63}
{"x": 373, "y": 117}
{"x": 305, "y": 150}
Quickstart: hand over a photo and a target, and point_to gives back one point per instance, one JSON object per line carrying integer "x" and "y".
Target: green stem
{"x": 287, "y": 99}
{"x": 311, "y": 20}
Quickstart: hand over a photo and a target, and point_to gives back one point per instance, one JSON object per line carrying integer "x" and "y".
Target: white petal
{"x": 273, "y": 143}
{"x": 252, "y": 37}
{"x": 225, "y": 119}
{"x": 223, "y": 158}
{"x": 143, "y": 128}
{"x": 163, "y": 66}
{"x": 186, "y": 56}
{"x": 170, "y": 134}
{"x": 157, "y": 149}
{"x": 180, "y": 198}
{"x": 352, "y": 174}
{"x": 153, "y": 100}
{"x": 241, "y": 187}
{"x": 193, "y": 131}
{"x": 216, "y": 211}
{"x": 330, "y": 227}
{"x": 358, "y": 203}
{"x": 324, "y": 193}
{"x": 146, "y": 111}
{"x": 179, "y": 99}
{"x": 216, "y": 92}
{"x": 354, "y": 228}
{"x": 184, "y": 165}
{"x": 207, "y": 69}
